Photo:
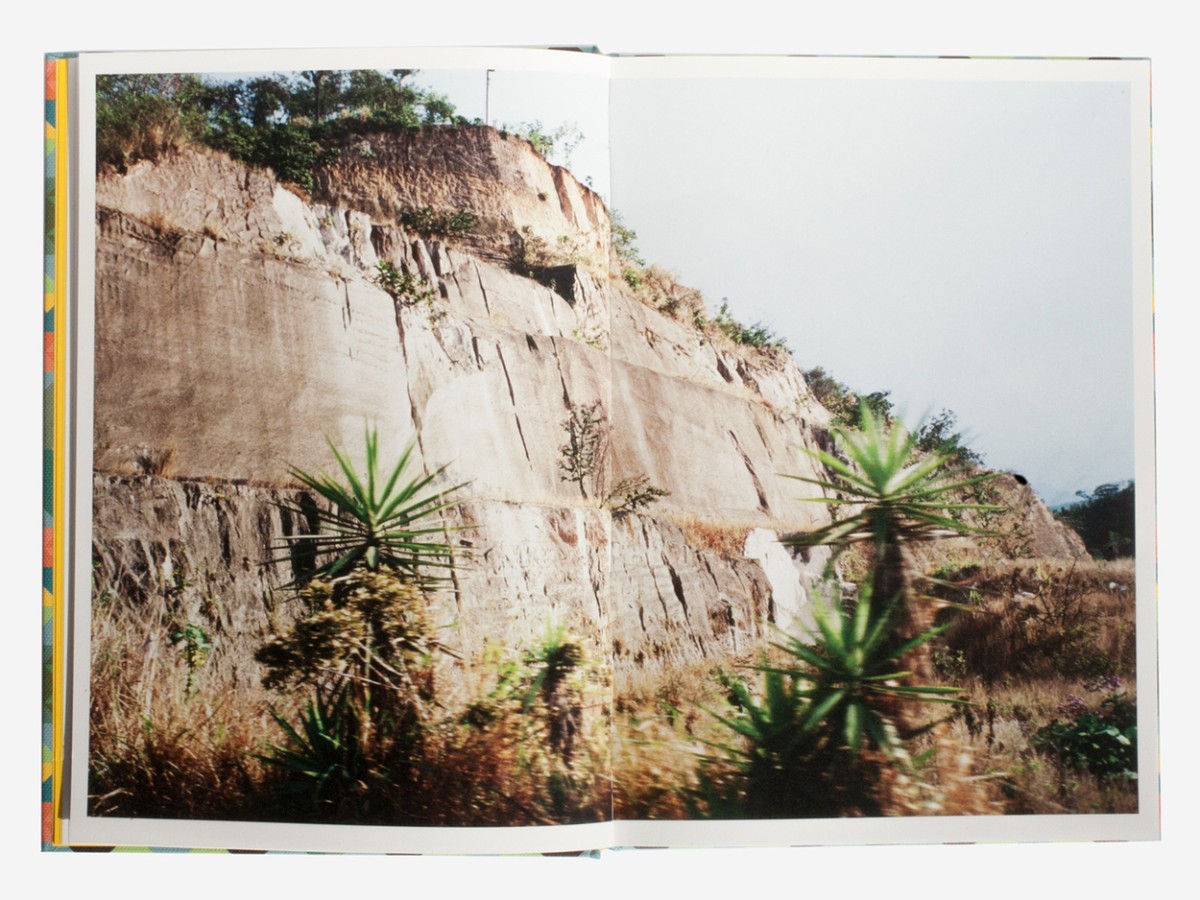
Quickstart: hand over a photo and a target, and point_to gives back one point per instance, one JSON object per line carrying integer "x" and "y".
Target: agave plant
{"x": 895, "y": 496}
{"x": 323, "y": 756}
{"x": 803, "y": 740}
{"x": 373, "y": 519}
{"x": 553, "y": 660}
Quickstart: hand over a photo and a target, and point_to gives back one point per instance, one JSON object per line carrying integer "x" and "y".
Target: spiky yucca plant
{"x": 373, "y": 519}
{"x": 891, "y": 495}
{"x": 803, "y": 736}
{"x": 364, "y": 643}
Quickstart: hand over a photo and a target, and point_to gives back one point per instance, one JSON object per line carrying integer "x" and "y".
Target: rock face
{"x": 238, "y": 326}
{"x": 510, "y": 191}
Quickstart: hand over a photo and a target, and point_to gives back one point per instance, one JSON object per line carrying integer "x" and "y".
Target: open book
{"x": 503, "y": 450}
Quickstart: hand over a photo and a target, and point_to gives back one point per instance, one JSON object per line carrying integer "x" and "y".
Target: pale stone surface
{"x": 238, "y": 326}
{"x": 792, "y": 576}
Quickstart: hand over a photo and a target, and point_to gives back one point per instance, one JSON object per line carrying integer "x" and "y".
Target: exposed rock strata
{"x": 513, "y": 194}
{"x": 238, "y": 326}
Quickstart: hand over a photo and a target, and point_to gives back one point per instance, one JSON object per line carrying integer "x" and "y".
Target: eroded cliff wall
{"x": 238, "y": 325}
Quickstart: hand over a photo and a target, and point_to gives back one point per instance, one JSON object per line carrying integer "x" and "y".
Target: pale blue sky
{"x": 961, "y": 244}
{"x": 553, "y": 99}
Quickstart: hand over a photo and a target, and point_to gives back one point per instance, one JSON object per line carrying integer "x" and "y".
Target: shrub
{"x": 804, "y": 739}
{"x": 624, "y": 241}
{"x": 582, "y": 457}
{"x": 1103, "y": 741}
{"x": 756, "y": 335}
{"x": 843, "y": 703}
{"x": 364, "y": 647}
{"x": 561, "y": 142}
{"x": 289, "y": 123}
{"x": 634, "y": 493}
{"x": 938, "y": 435}
{"x": 1105, "y": 519}
{"x": 1042, "y": 622}
{"x": 845, "y": 404}
{"x": 144, "y": 116}
{"x": 194, "y": 644}
{"x": 583, "y": 460}
{"x": 430, "y": 223}
{"x": 896, "y": 499}
{"x": 404, "y": 287}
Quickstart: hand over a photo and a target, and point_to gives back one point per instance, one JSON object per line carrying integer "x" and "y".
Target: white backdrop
{"x": 1152, "y": 28}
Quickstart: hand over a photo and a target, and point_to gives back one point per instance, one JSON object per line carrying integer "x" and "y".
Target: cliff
{"x": 238, "y": 325}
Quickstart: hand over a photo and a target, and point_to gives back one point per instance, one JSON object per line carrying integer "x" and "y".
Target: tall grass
{"x": 203, "y": 741}
{"x": 1016, "y": 680}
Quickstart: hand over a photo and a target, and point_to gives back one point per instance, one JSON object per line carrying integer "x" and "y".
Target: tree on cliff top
{"x": 289, "y": 122}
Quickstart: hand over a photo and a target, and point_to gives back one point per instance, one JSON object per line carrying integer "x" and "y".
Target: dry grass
{"x": 1019, "y": 671}
{"x": 999, "y": 736}
{"x": 725, "y": 536}
{"x": 721, "y": 537}
{"x": 1034, "y": 637}
{"x": 171, "y": 739}
{"x": 661, "y": 728}
{"x": 178, "y": 736}
{"x": 168, "y": 740}
{"x": 1043, "y": 618}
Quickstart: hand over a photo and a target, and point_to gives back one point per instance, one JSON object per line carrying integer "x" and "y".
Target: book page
{"x": 881, "y": 264}
{"x": 473, "y": 451}
{"x": 343, "y": 404}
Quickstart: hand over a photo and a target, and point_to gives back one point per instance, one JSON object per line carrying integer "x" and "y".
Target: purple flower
{"x": 1073, "y": 707}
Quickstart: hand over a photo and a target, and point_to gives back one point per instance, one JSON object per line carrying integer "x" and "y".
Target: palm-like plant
{"x": 805, "y": 736}
{"x": 373, "y": 518}
{"x": 863, "y": 669}
{"x": 895, "y": 497}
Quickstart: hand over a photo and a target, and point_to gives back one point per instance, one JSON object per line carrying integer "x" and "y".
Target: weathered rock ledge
{"x": 239, "y": 326}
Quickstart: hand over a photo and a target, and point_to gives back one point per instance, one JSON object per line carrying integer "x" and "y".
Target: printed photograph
{"x": 494, "y": 448}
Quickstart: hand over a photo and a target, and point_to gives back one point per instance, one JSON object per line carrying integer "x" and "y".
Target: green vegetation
{"x": 756, "y": 335}
{"x": 844, "y": 403}
{"x": 354, "y": 723}
{"x": 377, "y": 519}
{"x": 583, "y": 460}
{"x": 409, "y": 290}
{"x": 364, "y": 647}
{"x": 897, "y": 497}
{"x": 431, "y": 223}
{"x": 629, "y": 258}
{"x": 937, "y": 435}
{"x": 290, "y": 123}
{"x": 195, "y": 645}
{"x": 143, "y": 116}
{"x": 582, "y": 457}
{"x": 861, "y": 678}
{"x": 560, "y": 143}
{"x": 803, "y": 743}
{"x": 1104, "y": 519}
{"x": 1102, "y": 741}
{"x": 632, "y": 494}
{"x": 659, "y": 289}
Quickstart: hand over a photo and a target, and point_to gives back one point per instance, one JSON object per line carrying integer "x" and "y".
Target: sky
{"x": 964, "y": 245}
{"x": 522, "y": 97}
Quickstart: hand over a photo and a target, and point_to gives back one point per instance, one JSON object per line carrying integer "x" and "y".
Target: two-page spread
{"x": 496, "y": 450}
